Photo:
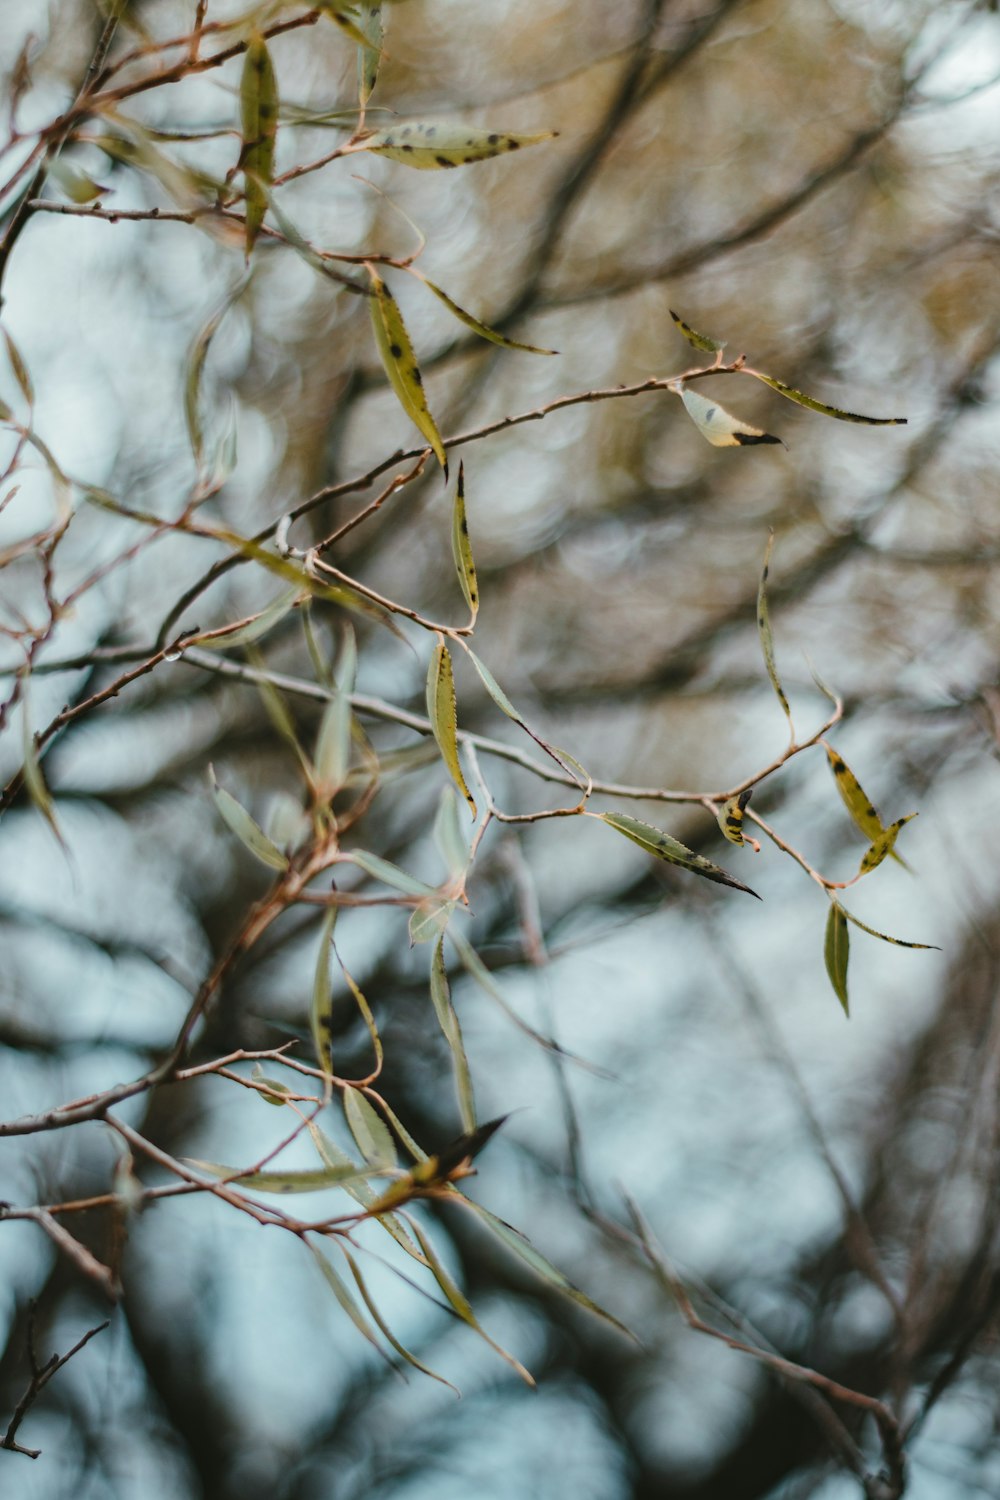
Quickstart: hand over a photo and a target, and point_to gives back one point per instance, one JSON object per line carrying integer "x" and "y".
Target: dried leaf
{"x": 828, "y": 411}
{"x": 719, "y": 426}
{"x": 442, "y": 712}
{"x": 730, "y": 816}
{"x": 697, "y": 340}
{"x": 400, "y": 363}
{"x": 461, "y": 548}
{"x": 767, "y": 637}
{"x": 836, "y": 950}
{"x": 431, "y": 145}
{"x": 662, "y": 846}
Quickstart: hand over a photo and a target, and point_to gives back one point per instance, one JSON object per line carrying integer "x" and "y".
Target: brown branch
{"x": 40, "y": 1377}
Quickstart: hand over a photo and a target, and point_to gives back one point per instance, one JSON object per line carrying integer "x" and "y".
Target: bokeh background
{"x": 814, "y": 181}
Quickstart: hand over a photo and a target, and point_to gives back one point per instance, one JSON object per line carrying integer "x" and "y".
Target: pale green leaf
{"x": 373, "y": 1137}
{"x": 443, "y": 714}
{"x": 369, "y": 57}
{"x": 321, "y": 1011}
{"x": 386, "y": 1331}
{"x": 836, "y": 949}
{"x": 78, "y": 186}
{"x": 345, "y": 1299}
{"x": 314, "y": 1181}
{"x": 430, "y": 145}
{"x": 828, "y": 411}
{"x": 259, "y": 120}
{"x": 34, "y": 779}
{"x": 255, "y": 629}
{"x": 245, "y": 828}
{"x": 449, "y": 1023}
{"x": 196, "y": 367}
{"x": 664, "y": 847}
{"x": 718, "y": 426}
{"x": 400, "y": 363}
{"x": 451, "y": 842}
{"x": 278, "y": 1092}
{"x": 389, "y": 874}
{"x": 429, "y": 920}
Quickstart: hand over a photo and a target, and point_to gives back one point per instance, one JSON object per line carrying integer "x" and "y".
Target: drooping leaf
{"x": 526, "y": 1252}
{"x": 400, "y": 363}
{"x": 476, "y": 324}
{"x": 828, "y": 411}
{"x": 321, "y": 1011}
{"x": 664, "y": 847}
{"x": 196, "y": 366}
{"x": 347, "y": 1302}
{"x": 245, "y": 828}
{"x": 561, "y": 757}
{"x": 451, "y": 842}
{"x": 369, "y": 57}
{"x": 730, "y": 816}
{"x": 461, "y": 548}
{"x": 20, "y": 369}
{"x": 718, "y": 425}
{"x": 882, "y": 845}
{"x": 460, "y": 1302}
{"x": 333, "y": 745}
{"x": 443, "y": 714}
{"x": 431, "y": 145}
{"x": 259, "y": 120}
{"x": 373, "y": 1137}
{"x": 884, "y": 936}
{"x": 34, "y": 779}
{"x": 364, "y": 1008}
{"x": 386, "y": 1331}
{"x": 855, "y": 799}
{"x": 448, "y": 1021}
{"x": 360, "y": 1190}
{"x": 191, "y": 190}
{"x": 767, "y": 636}
{"x": 286, "y": 1182}
{"x": 836, "y": 949}
{"x": 697, "y": 340}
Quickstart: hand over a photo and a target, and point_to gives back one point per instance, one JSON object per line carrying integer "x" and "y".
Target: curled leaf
{"x": 430, "y": 145}
{"x": 400, "y": 362}
{"x": 836, "y": 949}
{"x": 697, "y": 340}
{"x": 801, "y": 399}
{"x": 662, "y": 846}
{"x": 730, "y": 816}
{"x": 443, "y": 714}
{"x": 719, "y": 426}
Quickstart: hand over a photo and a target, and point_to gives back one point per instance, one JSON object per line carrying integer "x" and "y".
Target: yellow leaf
{"x": 400, "y": 362}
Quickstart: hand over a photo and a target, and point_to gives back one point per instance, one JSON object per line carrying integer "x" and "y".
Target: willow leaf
{"x": 400, "y": 363}
{"x": 767, "y": 635}
{"x": 259, "y": 121}
{"x": 442, "y": 712}
{"x": 882, "y": 845}
{"x": 476, "y": 324}
{"x": 430, "y": 145}
{"x": 369, "y": 56}
{"x": 255, "y": 629}
{"x": 385, "y": 1330}
{"x": 801, "y": 399}
{"x": 718, "y": 426}
{"x": 452, "y": 1031}
{"x": 373, "y": 1137}
{"x": 321, "y": 1012}
{"x": 884, "y": 936}
{"x": 854, "y": 797}
{"x": 389, "y": 874}
{"x": 31, "y": 771}
{"x": 286, "y": 1182}
{"x": 836, "y": 950}
{"x": 730, "y": 816}
{"x": 697, "y": 340}
{"x": 451, "y": 842}
{"x": 664, "y": 847}
{"x": 196, "y": 367}
{"x": 246, "y": 829}
{"x": 345, "y": 1299}
{"x": 461, "y": 548}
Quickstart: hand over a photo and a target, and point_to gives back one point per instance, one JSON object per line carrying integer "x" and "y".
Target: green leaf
{"x": 345, "y": 1299}
{"x": 321, "y": 1012}
{"x": 697, "y": 340}
{"x": 259, "y": 119}
{"x": 450, "y": 1027}
{"x": 767, "y": 637}
{"x": 429, "y": 920}
{"x": 343, "y": 18}
{"x": 369, "y": 1130}
{"x": 717, "y": 425}
{"x": 333, "y": 746}
{"x": 369, "y": 57}
{"x": 279, "y": 1092}
{"x": 884, "y": 936}
{"x": 883, "y": 845}
{"x": 526, "y": 1252}
{"x": 461, "y": 548}
{"x": 386, "y": 1331}
{"x": 670, "y": 849}
{"x": 836, "y": 950}
{"x": 245, "y": 828}
{"x": 562, "y": 758}
{"x": 360, "y": 1190}
{"x": 286, "y": 1182}
{"x": 451, "y": 842}
{"x": 364, "y": 1008}
{"x": 828, "y": 411}
{"x": 255, "y": 629}
{"x": 389, "y": 874}
{"x": 460, "y": 1302}
{"x": 31, "y": 770}
{"x": 196, "y": 367}
{"x": 443, "y": 714}
{"x": 477, "y": 970}
{"x": 76, "y": 184}
{"x": 730, "y": 816}
{"x": 400, "y": 362}
{"x": 476, "y": 324}
{"x": 431, "y": 145}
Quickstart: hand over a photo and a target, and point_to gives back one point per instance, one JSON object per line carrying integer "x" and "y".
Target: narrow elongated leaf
{"x": 801, "y": 399}
{"x": 255, "y": 629}
{"x": 75, "y": 183}
{"x": 561, "y": 757}
{"x": 347, "y": 1302}
{"x": 767, "y": 637}
{"x": 449, "y": 1023}
{"x": 361, "y": 1192}
{"x": 20, "y": 369}
{"x": 34, "y": 780}
{"x": 460, "y": 1302}
{"x": 476, "y": 324}
{"x": 386, "y": 1331}
{"x": 364, "y": 1008}
{"x": 321, "y": 1012}
{"x": 432, "y": 145}
{"x": 333, "y": 746}
{"x": 286, "y": 1182}
{"x": 730, "y": 816}
{"x": 451, "y": 842}
{"x": 718, "y": 425}
{"x": 855, "y": 799}
{"x": 196, "y": 367}
{"x": 836, "y": 949}
{"x": 882, "y": 845}
{"x": 461, "y": 548}
{"x": 525, "y": 1251}
{"x": 400, "y": 363}
{"x": 884, "y": 936}
{"x": 369, "y": 57}
{"x": 373, "y": 1136}
{"x": 662, "y": 846}
{"x": 389, "y": 874}
{"x": 443, "y": 714}
{"x": 259, "y": 119}
{"x": 342, "y": 16}
{"x": 249, "y": 832}
{"x": 697, "y": 340}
